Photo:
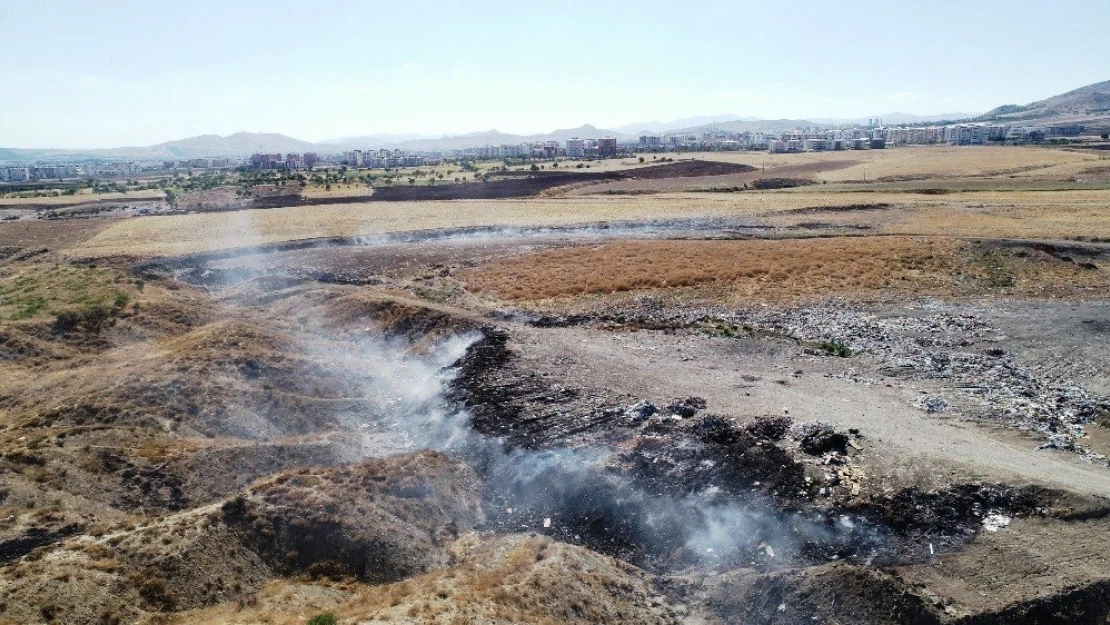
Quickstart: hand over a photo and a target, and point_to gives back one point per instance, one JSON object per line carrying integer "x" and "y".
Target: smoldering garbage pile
{"x": 697, "y": 492}
{"x": 704, "y": 511}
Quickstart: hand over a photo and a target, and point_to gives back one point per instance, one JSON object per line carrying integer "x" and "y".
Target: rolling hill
{"x": 1086, "y": 103}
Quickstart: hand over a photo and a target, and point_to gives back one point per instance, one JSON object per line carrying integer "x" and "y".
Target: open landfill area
{"x": 839, "y": 388}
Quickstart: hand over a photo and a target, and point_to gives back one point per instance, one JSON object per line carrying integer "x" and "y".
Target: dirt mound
{"x": 517, "y": 404}
{"x": 211, "y": 473}
{"x": 1037, "y": 571}
{"x": 391, "y": 316}
{"x": 181, "y": 562}
{"x": 217, "y": 380}
{"x": 496, "y": 581}
{"x": 381, "y": 520}
{"x": 378, "y": 521}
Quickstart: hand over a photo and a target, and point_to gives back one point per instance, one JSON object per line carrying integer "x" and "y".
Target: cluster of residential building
{"x": 868, "y": 137}
{"x": 290, "y": 162}
{"x": 573, "y": 148}
{"x": 386, "y": 159}
{"x": 874, "y": 135}
{"x": 66, "y": 171}
{"x": 201, "y": 163}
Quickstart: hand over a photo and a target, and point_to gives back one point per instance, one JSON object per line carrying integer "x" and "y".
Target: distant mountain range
{"x": 640, "y": 128}
{"x": 1090, "y": 104}
{"x": 204, "y": 146}
{"x": 897, "y": 118}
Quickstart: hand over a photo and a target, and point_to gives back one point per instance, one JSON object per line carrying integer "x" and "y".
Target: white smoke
{"x": 572, "y": 494}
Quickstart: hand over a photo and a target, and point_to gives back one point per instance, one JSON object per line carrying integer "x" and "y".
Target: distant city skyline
{"x": 120, "y": 73}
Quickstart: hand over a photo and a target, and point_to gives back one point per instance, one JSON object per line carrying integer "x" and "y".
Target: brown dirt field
{"x": 80, "y": 198}
{"x": 517, "y": 186}
{"x": 937, "y": 162}
{"x": 50, "y": 234}
{"x": 866, "y": 267}
{"x": 710, "y": 182}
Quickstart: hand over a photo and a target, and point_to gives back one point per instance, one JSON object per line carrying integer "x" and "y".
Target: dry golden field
{"x": 753, "y": 267}
{"x": 1028, "y": 214}
{"x": 790, "y": 269}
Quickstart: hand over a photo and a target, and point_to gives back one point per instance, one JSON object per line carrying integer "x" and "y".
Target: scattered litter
{"x": 931, "y": 404}
{"x": 995, "y": 521}
{"x": 686, "y": 407}
{"x": 819, "y": 438}
{"x": 640, "y": 411}
{"x": 547, "y": 522}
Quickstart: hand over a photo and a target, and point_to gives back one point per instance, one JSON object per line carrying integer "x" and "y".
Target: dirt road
{"x": 744, "y": 378}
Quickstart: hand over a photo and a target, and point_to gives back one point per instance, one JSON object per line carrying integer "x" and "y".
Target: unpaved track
{"x": 660, "y": 367}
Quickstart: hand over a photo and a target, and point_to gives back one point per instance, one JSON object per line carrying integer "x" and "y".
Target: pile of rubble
{"x": 959, "y": 349}
{"x": 954, "y": 346}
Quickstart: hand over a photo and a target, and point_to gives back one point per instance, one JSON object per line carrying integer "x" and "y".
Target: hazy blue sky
{"x": 111, "y": 73}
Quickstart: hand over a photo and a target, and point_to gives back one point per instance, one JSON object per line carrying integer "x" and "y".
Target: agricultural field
{"x": 14, "y": 199}
{"x": 732, "y": 387}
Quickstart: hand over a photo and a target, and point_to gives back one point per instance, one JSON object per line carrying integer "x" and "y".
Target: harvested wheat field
{"x": 1001, "y": 213}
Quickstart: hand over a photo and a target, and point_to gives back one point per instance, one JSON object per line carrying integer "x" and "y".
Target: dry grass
{"x": 1064, "y": 213}
{"x": 184, "y": 234}
{"x": 864, "y": 267}
{"x": 43, "y": 290}
{"x": 786, "y": 268}
{"x": 1058, "y": 215}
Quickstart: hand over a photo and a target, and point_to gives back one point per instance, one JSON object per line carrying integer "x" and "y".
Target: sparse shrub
{"x": 836, "y": 348}
{"x": 91, "y": 318}
{"x": 324, "y": 618}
